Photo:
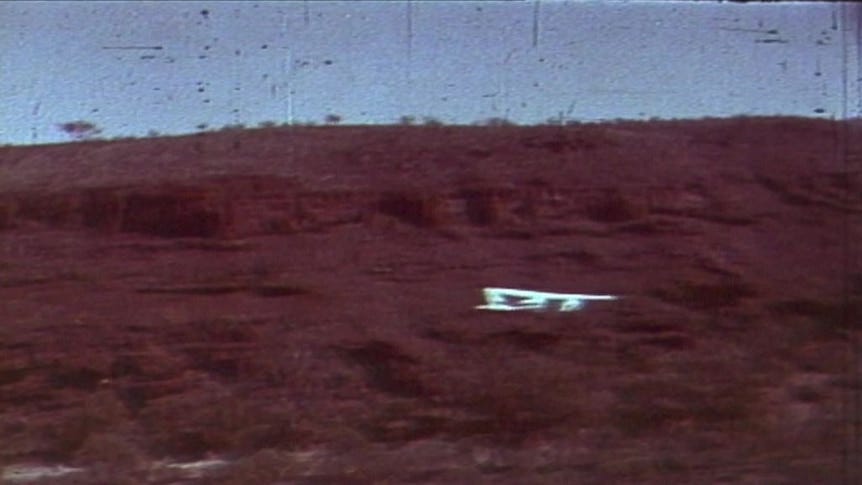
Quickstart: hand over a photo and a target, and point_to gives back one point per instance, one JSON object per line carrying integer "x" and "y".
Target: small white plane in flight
{"x": 510, "y": 299}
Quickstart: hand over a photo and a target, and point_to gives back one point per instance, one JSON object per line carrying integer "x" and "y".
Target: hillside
{"x": 297, "y": 305}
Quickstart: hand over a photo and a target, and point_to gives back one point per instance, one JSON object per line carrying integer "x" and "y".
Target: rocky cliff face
{"x": 254, "y": 206}
{"x": 299, "y": 305}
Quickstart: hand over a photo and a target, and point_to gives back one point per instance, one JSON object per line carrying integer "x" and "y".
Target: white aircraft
{"x": 500, "y": 299}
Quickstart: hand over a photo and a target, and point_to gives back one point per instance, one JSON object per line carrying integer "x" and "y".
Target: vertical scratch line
{"x": 409, "y": 37}
{"x": 289, "y": 90}
{"x": 289, "y": 85}
{"x": 535, "y": 23}
{"x": 852, "y": 404}
{"x": 408, "y": 69}
{"x": 287, "y": 80}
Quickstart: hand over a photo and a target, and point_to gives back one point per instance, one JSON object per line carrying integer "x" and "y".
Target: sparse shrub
{"x": 512, "y": 397}
{"x": 481, "y": 207}
{"x": 496, "y": 121}
{"x": 80, "y": 130}
{"x": 100, "y": 413}
{"x": 430, "y": 121}
{"x": 612, "y": 206}
{"x": 652, "y": 405}
{"x": 332, "y": 119}
{"x": 705, "y": 295}
{"x": 407, "y": 120}
{"x": 111, "y": 456}
{"x": 267, "y": 124}
{"x": 265, "y": 466}
{"x": 420, "y": 211}
{"x": 829, "y": 319}
{"x": 807, "y": 394}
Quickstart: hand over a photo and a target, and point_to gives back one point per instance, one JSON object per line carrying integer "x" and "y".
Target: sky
{"x": 133, "y": 68}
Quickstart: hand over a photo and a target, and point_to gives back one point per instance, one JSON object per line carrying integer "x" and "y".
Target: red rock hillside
{"x": 297, "y": 305}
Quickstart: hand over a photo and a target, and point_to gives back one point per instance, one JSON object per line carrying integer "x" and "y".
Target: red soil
{"x": 300, "y": 302}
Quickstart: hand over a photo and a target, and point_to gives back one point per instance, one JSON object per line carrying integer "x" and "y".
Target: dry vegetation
{"x": 299, "y": 302}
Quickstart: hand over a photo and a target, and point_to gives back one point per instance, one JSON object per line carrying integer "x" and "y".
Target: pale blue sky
{"x": 131, "y": 67}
